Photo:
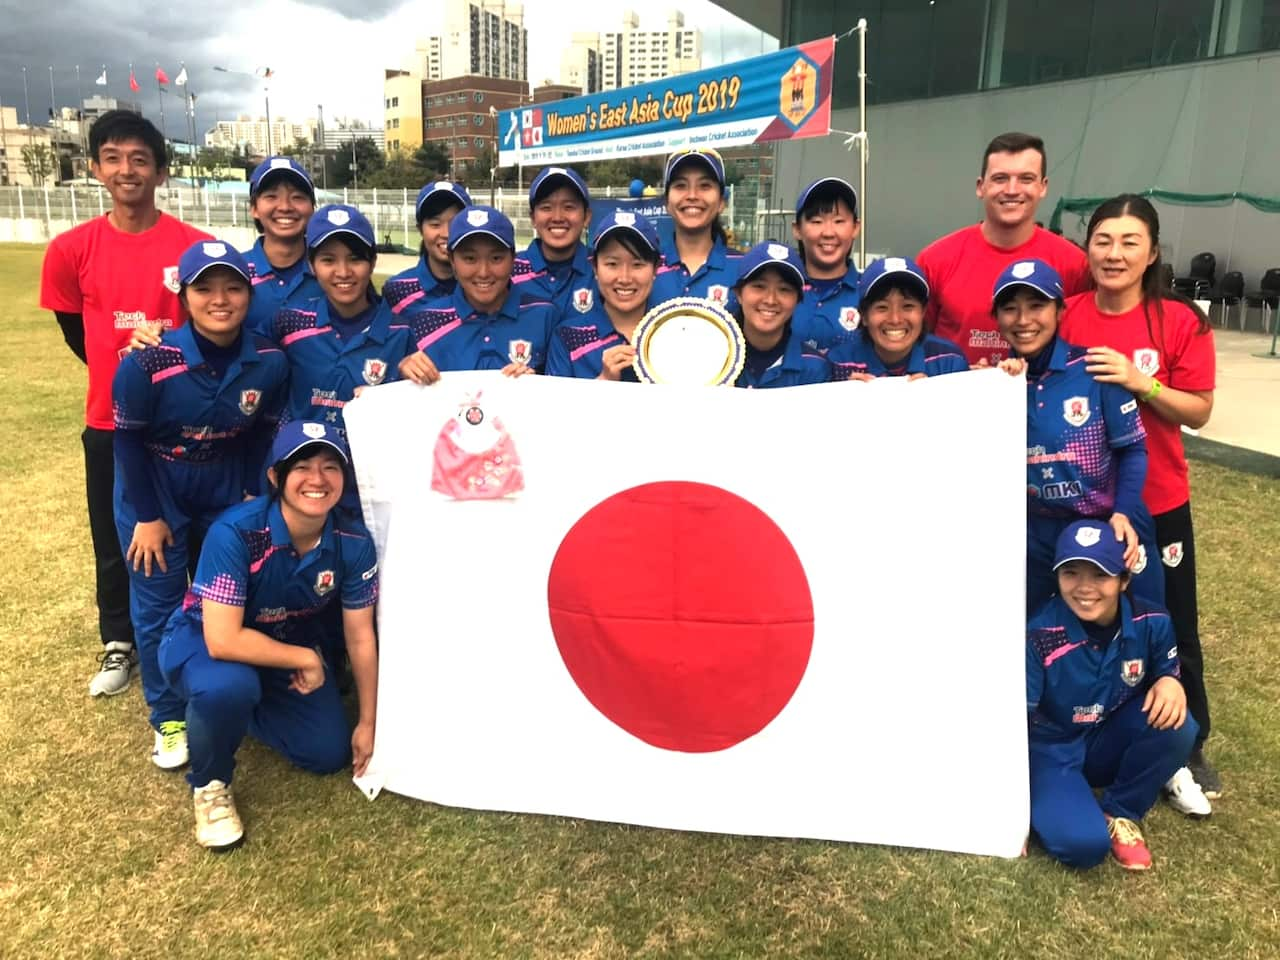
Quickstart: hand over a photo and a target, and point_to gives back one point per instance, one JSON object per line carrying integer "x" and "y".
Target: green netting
{"x": 1089, "y": 204}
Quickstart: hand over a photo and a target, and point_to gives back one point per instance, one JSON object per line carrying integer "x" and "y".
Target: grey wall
{"x": 1200, "y": 128}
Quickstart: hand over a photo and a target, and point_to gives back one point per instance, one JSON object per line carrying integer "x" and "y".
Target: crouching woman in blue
{"x": 1086, "y": 448}
{"x": 1105, "y": 706}
{"x": 241, "y": 652}
{"x": 890, "y": 340}
{"x": 769, "y": 286}
{"x": 624, "y": 255}
{"x": 193, "y": 420}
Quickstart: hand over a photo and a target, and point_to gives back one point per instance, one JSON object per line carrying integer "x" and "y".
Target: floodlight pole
{"x": 862, "y": 141}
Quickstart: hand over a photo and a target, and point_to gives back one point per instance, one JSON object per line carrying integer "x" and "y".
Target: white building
{"x": 251, "y": 133}
{"x": 426, "y": 62}
{"x": 336, "y": 137}
{"x": 485, "y": 38}
{"x": 631, "y": 55}
{"x": 580, "y": 63}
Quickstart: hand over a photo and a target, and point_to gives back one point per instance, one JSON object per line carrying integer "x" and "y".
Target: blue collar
{"x": 508, "y": 310}
{"x": 849, "y": 280}
{"x": 427, "y": 280}
{"x": 184, "y": 339}
{"x": 1076, "y": 631}
{"x": 538, "y": 262}
{"x": 716, "y": 259}
{"x": 379, "y": 326}
{"x": 257, "y": 256}
{"x": 914, "y": 361}
{"x": 280, "y": 536}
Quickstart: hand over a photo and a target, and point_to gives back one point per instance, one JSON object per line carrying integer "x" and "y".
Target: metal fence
{"x": 391, "y": 211}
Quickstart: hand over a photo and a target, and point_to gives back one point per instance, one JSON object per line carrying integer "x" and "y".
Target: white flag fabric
{"x": 793, "y": 612}
{"x": 102, "y": 78}
{"x": 181, "y": 79}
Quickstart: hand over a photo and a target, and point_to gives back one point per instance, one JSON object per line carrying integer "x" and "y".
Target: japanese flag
{"x": 704, "y": 609}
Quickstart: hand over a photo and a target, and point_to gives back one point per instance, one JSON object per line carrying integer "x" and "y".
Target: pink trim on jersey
{"x": 586, "y": 348}
{"x": 667, "y": 268}
{"x": 262, "y": 350}
{"x": 436, "y": 334}
{"x": 1061, "y": 652}
{"x": 1153, "y": 613}
{"x": 263, "y": 279}
{"x": 411, "y": 298}
{"x": 526, "y": 277}
{"x": 168, "y": 372}
{"x": 257, "y": 564}
{"x": 305, "y": 332}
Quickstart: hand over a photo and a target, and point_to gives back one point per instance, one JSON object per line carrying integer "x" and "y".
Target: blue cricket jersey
{"x": 713, "y": 281}
{"x": 931, "y": 356}
{"x": 1074, "y": 683}
{"x": 248, "y": 560}
{"x": 416, "y": 288}
{"x": 205, "y": 435}
{"x": 325, "y": 368}
{"x": 798, "y": 364}
{"x": 828, "y": 314}
{"x": 274, "y": 289}
{"x": 1074, "y": 426}
{"x": 563, "y": 283}
{"x": 456, "y": 336}
{"x": 577, "y": 347}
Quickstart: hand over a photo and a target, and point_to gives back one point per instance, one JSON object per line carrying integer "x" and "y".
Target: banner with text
{"x": 783, "y": 95}
{"x": 619, "y": 602}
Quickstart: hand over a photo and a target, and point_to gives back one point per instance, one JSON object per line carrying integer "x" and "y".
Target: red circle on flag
{"x": 682, "y": 613}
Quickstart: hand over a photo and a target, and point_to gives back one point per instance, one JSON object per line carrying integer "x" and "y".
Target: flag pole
{"x": 160, "y": 97}
{"x": 53, "y": 97}
{"x": 80, "y": 118}
{"x": 862, "y": 142}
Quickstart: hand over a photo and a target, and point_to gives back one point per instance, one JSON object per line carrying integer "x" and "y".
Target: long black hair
{"x": 717, "y": 225}
{"x": 1154, "y": 291}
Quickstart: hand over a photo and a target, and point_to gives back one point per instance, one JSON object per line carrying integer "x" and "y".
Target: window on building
{"x": 478, "y": 97}
{"x": 956, "y": 46}
{"x": 478, "y": 143}
{"x": 478, "y": 120}
{"x": 395, "y": 101}
{"x": 1121, "y": 36}
{"x": 1184, "y": 31}
{"x": 1253, "y": 25}
{"x": 1038, "y": 41}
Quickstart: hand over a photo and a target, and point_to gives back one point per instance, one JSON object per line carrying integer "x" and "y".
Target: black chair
{"x": 1200, "y": 280}
{"x": 1229, "y": 292}
{"x": 1267, "y": 296}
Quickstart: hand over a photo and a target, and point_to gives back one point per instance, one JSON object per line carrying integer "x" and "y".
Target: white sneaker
{"x": 170, "y": 749}
{"x": 1185, "y": 795}
{"x": 218, "y": 826}
{"x": 118, "y": 662}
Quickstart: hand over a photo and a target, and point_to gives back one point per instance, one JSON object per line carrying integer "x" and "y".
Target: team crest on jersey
{"x": 374, "y": 371}
{"x": 717, "y": 293}
{"x": 324, "y": 582}
{"x": 520, "y": 351}
{"x": 849, "y": 318}
{"x": 1171, "y": 555}
{"x": 1147, "y": 361}
{"x": 1141, "y": 563}
{"x": 170, "y": 279}
{"x": 1132, "y": 671}
{"x": 583, "y": 300}
{"x": 249, "y": 400}
{"x": 1075, "y": 411}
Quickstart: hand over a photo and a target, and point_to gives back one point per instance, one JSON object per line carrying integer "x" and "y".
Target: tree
{"x": 41, "y": 162}
{"x": 213, "y": 163}
{"x": 432, "y": 160}
{"x": 368, "y": 160}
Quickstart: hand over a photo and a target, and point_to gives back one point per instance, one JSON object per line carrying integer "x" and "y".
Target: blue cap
{"x": 833, "y": 186}
{"x": 627, "y": 221}
{"x": 1092, "y": 540}
{"x": 705, "y": 155}
{"x": 202, "y": 255}
{"x": 296, "y": 434}
{"x": 549, "y": 178}
{"x": 339, "y": 218}
{"x": 275, "y": 167}
{"x": 479, "y": 219}
{"x": 438, "y": 190}
{"x": 1035, "y": 274}
{"x": 771, "y": 254}
{"x": 889, "y": 270}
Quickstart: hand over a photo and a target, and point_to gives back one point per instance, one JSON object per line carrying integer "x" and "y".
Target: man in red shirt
{"x": 962, "y": 267}
{"x": 102, "y": 279}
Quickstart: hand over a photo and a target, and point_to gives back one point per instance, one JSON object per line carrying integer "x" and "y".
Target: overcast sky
{"x": 342, "y": 70}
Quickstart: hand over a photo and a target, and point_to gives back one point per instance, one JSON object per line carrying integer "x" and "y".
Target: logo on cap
{"x": 339, "y": 217}
{"x": 281, "y": 163}
{"x": 477, "y": 218}
{"x": 778, "y": 251}
{"x": 442, "y": 185}
{"x": 1088, "y": 536}
{"x": 214, "y": 249}
{"x": 1024, "y": 269}
{"x": 624, "y": 218}
{"x": 892, "y": 264}
{"x": 313, "y": 430}
{"x": 559, "y": 170}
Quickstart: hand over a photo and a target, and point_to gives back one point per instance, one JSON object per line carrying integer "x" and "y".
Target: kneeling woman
{"x": 1105, "y": 706}
{"x": 1086, "y": 448}
{"x": 241, "y": 651}
{"x": 625, "y": 255}
{"x": 891, "y": 341}
{"x": 193, "y": 420}
{"x": 769, "y": 286}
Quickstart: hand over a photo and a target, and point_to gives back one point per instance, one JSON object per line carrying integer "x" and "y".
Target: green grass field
{"x": 99, "y": 860}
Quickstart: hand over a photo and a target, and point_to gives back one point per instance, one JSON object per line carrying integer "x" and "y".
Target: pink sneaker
{"x": 1127, "y": 845}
